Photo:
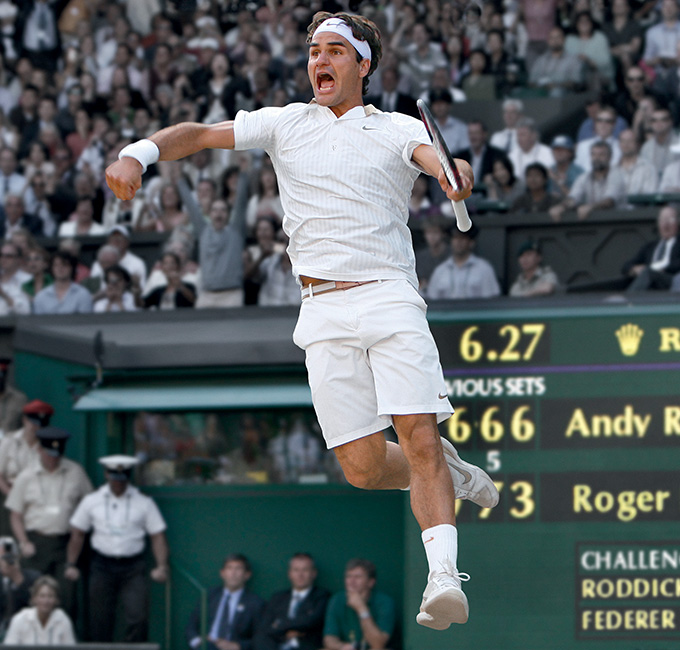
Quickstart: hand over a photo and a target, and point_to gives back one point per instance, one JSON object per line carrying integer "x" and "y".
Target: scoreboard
{"x": 575, "y": 413}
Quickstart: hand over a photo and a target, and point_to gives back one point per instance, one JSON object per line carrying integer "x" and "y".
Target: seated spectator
{"x": 12, "y": 298}
{"x": 591, "y": 47}
{"x": 565, "y": 171}
{"x": 642, "y": 120}
{"x": 16, "y": 583}
{"x": 593, "y": 105}
{"x": 74, "y": 246}
{"x": 604, "y": 132}
{"x": 278, "y": 285}
{"x": 529, "y": 149}
{"x": 453, "y": 130}
{"x": 37, "y": 203}
{"x": 658, "y": 149}
{"x": 655, "y": 264}
{"x": 419, "y": 202}
{"x": 420, "y": 57}
{"x": 661, "y": 40}
{"x": 119, "y": 236}
{"x": 107, "y": 256}
{"x": 534, "y": 279}
{"x": 11, "y": 181}
{"x": 38, "y": 261}
{"x": 175, "y": 293}
{"x": 624, "y": 35}
{"x": 295, "y": 452}
{"x": 537, "y": 196}
{"x": 506, "y": 139}
{"x": 391, "y": 100}
{"x": 117, "y": 296}
{"x": 64, "y": 296}
{"x": 635, "y": 88}
{"x": 20, "y": 448}
{"x": 359, "y": 616}
{"x": 478, "y": 83}
{"x": 639, "y": 174}
{"x": 502, "y": 184}
{"x": 44, "y": 623}
{"x": 15, "y": 218}
{"x": 480, "y": 154}
{"x": 436, "y": 250}
{"x": 294, "y": 618}
{"x": 189, "y": 270}
{"x": 600, "y": 189}
{"x": 82, "y": 222}
{"x": 233, "y": 612}
{"x": 556, "y": 71}
{"x": 463, "y": 274}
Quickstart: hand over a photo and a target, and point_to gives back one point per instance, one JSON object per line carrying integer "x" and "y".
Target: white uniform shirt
{"x": 119, "y": 524}
{"x": 345, "y": 185}
{"x": 26, "y": 629}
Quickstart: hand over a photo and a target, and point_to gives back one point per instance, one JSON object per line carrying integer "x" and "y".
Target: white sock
{"x": 441, "y": 543}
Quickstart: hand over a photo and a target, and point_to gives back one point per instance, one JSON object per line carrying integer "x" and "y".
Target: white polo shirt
{"x": 119, "y": 524}
{"x": 344, "y": 184}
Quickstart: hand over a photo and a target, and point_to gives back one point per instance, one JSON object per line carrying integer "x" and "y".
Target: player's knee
{"x": 422, "y": 447}
{"x": 360, "y": 478}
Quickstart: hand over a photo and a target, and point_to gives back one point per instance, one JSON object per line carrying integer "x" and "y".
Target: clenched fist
{"x": 124, "y": 177}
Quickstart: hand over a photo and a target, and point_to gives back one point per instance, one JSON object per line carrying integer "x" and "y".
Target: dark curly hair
{"x": 363, "y": 29}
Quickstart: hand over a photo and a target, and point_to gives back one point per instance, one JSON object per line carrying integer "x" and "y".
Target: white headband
{"x": 339, "y": 26}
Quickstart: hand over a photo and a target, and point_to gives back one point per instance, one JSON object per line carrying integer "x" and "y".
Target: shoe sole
{"x": 444, "y": 609}
{"x": 474, "y": 470}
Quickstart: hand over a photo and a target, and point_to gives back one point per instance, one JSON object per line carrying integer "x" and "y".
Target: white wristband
{"x": 145, "y": 152}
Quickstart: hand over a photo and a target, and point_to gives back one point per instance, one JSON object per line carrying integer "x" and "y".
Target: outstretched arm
{"x": 124, "y": 176}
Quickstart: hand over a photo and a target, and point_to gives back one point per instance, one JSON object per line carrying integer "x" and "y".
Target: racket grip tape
{"x": 462, "y": 216}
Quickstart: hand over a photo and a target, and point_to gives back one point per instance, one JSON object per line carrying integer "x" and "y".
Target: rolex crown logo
{"x": 629, "y": 336}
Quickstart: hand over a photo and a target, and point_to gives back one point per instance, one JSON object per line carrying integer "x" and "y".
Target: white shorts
{"x": 370, "y": 355}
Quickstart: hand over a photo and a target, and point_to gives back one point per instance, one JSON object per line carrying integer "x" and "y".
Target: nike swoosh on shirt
{"x": 442, "y": 396}
{"x": 365, "y": 127}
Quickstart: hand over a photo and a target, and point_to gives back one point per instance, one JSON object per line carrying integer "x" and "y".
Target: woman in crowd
{"x": 592, "y": 48}
{"x": 170, "y": 216}
{"x": 117, "y": 296}
{"x": 175, "y": 294}
{"x": 502, "y": 184}
{"x": 44, "y": 623}
{"x": 266, "y": 200}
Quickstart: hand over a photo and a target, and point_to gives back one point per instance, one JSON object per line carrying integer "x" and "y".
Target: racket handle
{"x": 462, "y": 216}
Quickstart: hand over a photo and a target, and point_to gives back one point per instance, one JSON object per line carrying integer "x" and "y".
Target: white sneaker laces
{"x": 447, "y": 573}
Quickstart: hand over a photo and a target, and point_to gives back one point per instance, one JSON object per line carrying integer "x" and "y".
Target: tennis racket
{"x": 448, "y": 165}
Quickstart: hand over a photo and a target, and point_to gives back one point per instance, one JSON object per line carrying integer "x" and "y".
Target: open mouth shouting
{"x": 325, "y": 82}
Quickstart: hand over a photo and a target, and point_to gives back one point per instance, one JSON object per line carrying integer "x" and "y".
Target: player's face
{"x": 334, "y": 72}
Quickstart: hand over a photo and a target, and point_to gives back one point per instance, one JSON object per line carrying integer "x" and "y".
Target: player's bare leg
{"x": 372, "y": 463}
{"x": 433, "y": 504}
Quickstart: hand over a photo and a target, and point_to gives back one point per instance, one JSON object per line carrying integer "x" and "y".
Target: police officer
{"x": 41, "y": 502}
{"x": 20, "y": 448}
{"x": 120, "y": 517}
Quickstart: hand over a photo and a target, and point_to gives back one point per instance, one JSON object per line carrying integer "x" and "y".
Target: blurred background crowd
{"x": 81, "y": 79}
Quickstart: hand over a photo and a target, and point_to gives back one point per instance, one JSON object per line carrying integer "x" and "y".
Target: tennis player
{"x": 345, "y": 173}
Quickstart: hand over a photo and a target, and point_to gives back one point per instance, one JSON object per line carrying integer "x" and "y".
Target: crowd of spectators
{"x": 80, "y": 80}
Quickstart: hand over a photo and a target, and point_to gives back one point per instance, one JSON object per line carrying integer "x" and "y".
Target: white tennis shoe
{"x": 443, "y": 599}
{"x": 469, "y": 481}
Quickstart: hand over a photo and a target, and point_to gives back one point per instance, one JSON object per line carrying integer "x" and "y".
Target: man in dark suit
{"x": 233, "y": 611}
{"x": 391, "y": 100}
{"x": 657, "y": 262}
{"x": 480, "y": 154}
{"x": 13, "y": 217}
{"x": 293, "y": 619}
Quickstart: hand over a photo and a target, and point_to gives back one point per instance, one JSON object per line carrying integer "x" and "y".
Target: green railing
{"x": 176, "y": 567}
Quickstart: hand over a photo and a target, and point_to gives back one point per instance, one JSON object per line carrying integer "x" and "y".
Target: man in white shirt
{"x": 529, "y": 149}
{"x": 345, "y": 174}
{"x": 119, "y": 517}
{"x": 506, "y": 139}
{"x": 463, "y": 275}
{"x": 604, "y": 131}
{"x": 11, "y": 182}
{"x": 119, "y": 236}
